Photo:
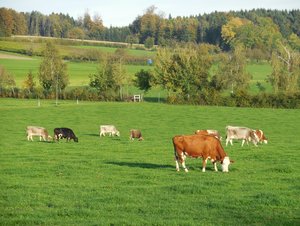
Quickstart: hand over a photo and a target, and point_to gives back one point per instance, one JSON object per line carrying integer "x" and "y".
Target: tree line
{"x": 154, "y": 27}
{"x": 188, "y": 47}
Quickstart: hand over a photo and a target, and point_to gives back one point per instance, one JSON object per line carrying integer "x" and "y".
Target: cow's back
{"x": 201, "y": 145}
{"x": 36, "y": 130}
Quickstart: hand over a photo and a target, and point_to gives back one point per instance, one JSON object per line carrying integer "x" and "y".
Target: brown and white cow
{"x": 261, "y": 136}
{"x": 209, "y": 132}
{"x": 37, "y": 131}
{"x": 135, "y": 133}
{"x": 240, "y": 133}
{"x": 205, "y": 147}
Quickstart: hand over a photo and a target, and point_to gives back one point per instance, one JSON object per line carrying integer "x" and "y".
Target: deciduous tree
{"x": 143, "y": 80}
{"x": 29, "y": 84}
{"x": 109, "y": 78}
{"x": 6, "y": 80}
{"x": 53, "y": 71}
{"x": 183, "y": 70}
{"x": 232, "y": 71}
{"x": 286, "y": 69}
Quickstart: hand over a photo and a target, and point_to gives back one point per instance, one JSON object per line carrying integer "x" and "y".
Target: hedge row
{"x": 240, "y": 99}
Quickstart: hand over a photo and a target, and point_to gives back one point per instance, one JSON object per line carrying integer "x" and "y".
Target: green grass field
{"x": 78, "y": 71}
{"x": 114, "y": 181}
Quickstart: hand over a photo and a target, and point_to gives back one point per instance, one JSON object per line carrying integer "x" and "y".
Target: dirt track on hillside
{"x": 9, "y": 56}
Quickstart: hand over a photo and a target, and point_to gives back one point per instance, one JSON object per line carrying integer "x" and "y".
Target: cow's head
{"x": 118, "y": 133}
{"x": 76, "y": 139}
{"x": 225, "y": 163}
{"x": 261, "y": 136}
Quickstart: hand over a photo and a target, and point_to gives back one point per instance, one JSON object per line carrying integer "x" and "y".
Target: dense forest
{"x": 155, "y": 28}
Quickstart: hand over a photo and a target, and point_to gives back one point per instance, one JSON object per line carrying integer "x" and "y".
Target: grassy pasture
{"x": 78, "y": 71}
{"x": 121, "y": 182}
{"x": 19, "y": 46}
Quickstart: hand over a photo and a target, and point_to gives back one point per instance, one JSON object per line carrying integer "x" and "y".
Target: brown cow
{"x": 209, "y": 132}
{"x": 135, "y": 133}
{"x": 205, "y": 147}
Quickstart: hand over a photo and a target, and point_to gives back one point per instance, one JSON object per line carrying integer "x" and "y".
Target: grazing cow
{"x": 204, "y": 146}
{"x": 209, "y": 132}
{"x": 37, "y": 131}
{"x": 240, "y": 133}
{"x": 261, "y": 136}
{"x": 60, "y": 133}
{"x": 111, "y": 130}
{"x": 135, "y": 133}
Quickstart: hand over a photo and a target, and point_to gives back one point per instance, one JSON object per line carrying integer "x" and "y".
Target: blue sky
{"x": 122, "y": 13}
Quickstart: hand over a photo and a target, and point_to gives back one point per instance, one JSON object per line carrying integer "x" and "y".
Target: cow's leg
{"x": 247, "y": 142}
{"x": 182, "y": 159}
{"x": 177, "y": 164}
{"x": 215, "y": 166}
{"x": 204, "y": 164}
{"x": 184, "y": 167}
{"x": 227, "y": 141}
{"x": 243, "y": 142}
{"x": 255, "y": 143}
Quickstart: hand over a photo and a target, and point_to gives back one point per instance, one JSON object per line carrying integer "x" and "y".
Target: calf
{"x": 60, "y": 133}
{"x": 240, "y": 133}
{"x": 209, "y": 132}
{"x": 135, "y": 133}
{"x": 111, "y": 130}
{"x": 204, "y": 146}
{"x": 37, "y": 131}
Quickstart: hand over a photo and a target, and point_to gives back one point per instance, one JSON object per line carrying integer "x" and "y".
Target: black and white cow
{"x": 60, "y": 133}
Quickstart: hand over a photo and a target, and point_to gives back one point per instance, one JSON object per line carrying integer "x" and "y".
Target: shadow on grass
{"x": 92, "y": 134}
{"x": 102, "y": 137}
{"x": 141, "y": 165}
{"x": 155, "y": 99}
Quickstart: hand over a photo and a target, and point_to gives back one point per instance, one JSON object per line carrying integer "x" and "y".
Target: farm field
{"x": 19, "y": 66}
{"x": 79, "y": 71}
{"x": 114, "y": 181}
{"x": 19, "y": 45}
